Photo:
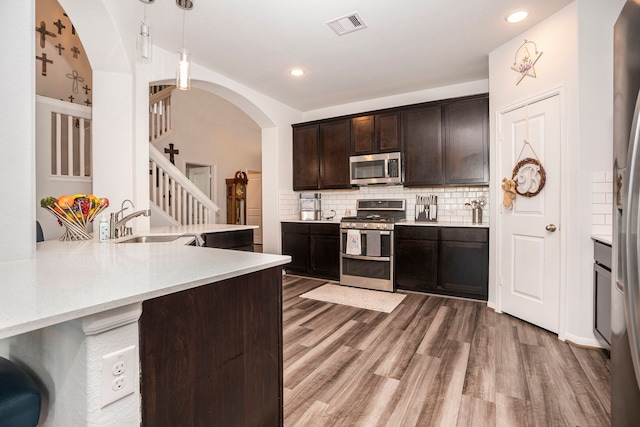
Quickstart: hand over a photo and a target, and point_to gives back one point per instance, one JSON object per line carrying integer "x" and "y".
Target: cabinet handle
{"x": 551, "y": 227}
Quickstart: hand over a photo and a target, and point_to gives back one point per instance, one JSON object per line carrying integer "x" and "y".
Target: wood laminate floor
{"x": 432, "y": 362}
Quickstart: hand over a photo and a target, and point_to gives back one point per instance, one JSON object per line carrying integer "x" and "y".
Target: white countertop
{"x": 313, "y": 221}
{"x": 199, "y": 228}
{"x": 411, "y": 223}
{"x": 443, "y": 224}
{"x": 70, "y": 280}
{"x": 604, "y": 238}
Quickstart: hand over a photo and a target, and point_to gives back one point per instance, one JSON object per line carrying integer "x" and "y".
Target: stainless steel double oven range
{"x": 366, "y": 244}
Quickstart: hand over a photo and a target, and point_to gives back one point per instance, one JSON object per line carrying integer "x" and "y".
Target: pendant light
{"x": 143, "y": 45}
{"x": 183, "y": 75}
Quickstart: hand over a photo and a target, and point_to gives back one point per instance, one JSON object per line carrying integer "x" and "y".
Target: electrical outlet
{"x": 118, "y": 383}
{"x": 119, "y": 368}
{"x": 118, "y": 375}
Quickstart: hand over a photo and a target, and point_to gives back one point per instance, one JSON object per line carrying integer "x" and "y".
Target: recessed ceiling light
{"x": 296, "y": 72}
{"x": 517, "y": 16}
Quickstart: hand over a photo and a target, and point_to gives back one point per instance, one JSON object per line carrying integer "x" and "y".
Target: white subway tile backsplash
{"x": 601, "y": 229}
{"x": 601, "y": 187}
{"x": 451, "y": 201}
{"x": 602, "y": 203}
{"x": 601, "y": 208}
{"x": 608, "y": 176}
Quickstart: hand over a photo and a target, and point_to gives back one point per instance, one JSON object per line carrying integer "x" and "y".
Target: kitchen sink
{"x": 150, "y": 239}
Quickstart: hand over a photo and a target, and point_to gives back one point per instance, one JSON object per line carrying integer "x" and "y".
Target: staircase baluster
{"x": 168, "y": 114}
{"x": 172, "y": 202}
{"x": 81, "y": 146}
{"x": 58, "y": 144}
{"x": 69, "y": 145}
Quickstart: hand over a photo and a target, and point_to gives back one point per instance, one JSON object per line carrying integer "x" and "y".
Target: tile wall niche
{"x": 602, "y": 203}
{"x": 451, "y": 201}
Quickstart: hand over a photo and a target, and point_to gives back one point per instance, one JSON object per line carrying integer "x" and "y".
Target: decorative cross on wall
{"x": 87, "y": 103}
{"x": 71, "y": 98}
{"x": 171, "y": 152}
{"x": 44, "y": 60}
{"x": 60, "y": 26}
{"x": 86, "y": 89}
{"x": 60, "y": 48}
{"x": 76, "y": 78}
{"x": 75, "y": 51}
{"x": 43, "y": 33}
{"x": 73, "y": 29}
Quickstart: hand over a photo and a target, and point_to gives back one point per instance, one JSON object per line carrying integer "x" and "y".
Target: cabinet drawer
{"x": 295, "y": 227}
{"x": 602, "y": 254}
{"x": 465, "y": 234}
{"x": 416, "y": 233}
{"x": 325, "y": 229}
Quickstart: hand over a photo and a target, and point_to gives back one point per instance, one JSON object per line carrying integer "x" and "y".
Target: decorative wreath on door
{"x": 529, "y": 174}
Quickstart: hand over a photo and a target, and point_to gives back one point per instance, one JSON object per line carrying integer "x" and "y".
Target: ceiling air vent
{"x": 347, "y": 24}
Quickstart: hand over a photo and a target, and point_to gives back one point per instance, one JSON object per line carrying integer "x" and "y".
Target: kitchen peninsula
{"x": 75, "y": 302}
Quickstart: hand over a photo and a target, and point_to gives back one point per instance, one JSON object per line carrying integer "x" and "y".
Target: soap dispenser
{"x": 104, "y": 229}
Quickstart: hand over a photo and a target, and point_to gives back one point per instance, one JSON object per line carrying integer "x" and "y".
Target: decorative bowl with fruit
{"x": 75, "y": 213}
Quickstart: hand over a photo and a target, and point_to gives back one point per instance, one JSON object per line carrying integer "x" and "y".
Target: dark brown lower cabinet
{"x": 314, "y": 249}
{"x": 464, "y": 262}
{"x": 324, "y": 246}
{"x": 416, "y": 258}
{"x": 450, "y": 261}
{"x": 295, "y": 243}
{"x": 212, "y": 355}
{"x": 241, "y": 240}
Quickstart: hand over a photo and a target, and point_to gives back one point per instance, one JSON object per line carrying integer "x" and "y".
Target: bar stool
{"x": 19, "y": 397}
{"x": 39, "y": 233}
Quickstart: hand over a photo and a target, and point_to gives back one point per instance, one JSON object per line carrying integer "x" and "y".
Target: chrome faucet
{"x": 199, "y": 240}
{"x": 118, "y": 226}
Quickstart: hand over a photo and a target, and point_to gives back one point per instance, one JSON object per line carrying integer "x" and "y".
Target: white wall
{"x": 56, "y": 84}
{"x": 427, "y": 95}
{"x": 209, "y": 130}
{"x": 577, "y": 57}
{"x": 17, "y": 131}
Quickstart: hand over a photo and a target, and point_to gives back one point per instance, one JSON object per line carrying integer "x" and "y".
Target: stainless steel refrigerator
{"x": 625, "y": 292}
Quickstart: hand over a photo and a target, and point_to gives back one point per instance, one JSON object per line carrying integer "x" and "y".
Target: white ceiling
{"x": 409, "y": 45}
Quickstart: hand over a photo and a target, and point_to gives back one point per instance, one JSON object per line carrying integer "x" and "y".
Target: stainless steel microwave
{"x": 383, "y": 168}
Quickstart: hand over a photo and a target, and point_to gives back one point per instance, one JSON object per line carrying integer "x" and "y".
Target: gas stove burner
{"x": 370, "y": 218}
{"x": 376, "y": 214}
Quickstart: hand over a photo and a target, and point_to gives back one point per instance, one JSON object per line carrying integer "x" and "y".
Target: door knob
{"x": 551, "y": 227}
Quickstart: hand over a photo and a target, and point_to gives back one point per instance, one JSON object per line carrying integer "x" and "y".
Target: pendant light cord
{"x": 184, "y": 13}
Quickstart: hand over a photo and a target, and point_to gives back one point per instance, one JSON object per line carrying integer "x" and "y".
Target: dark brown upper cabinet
{"x": 466, "y": 142}
{"x": 423, "y": 160}
{"x": 443, "y": 143}
{"x": 375, "y": 133}
{"x": 321, "y": 155}
{"x": 306, "y": 149}
{"x": 334, "y": 154}
{"x": 447, "y": 143}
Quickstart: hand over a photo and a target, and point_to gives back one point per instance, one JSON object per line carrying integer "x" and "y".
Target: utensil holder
{"x": 426, "y": 209}
{"x": 476, "y": 215}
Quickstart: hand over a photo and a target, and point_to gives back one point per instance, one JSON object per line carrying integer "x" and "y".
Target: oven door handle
{"x": 366, "y": 258}
{"x": 382, "y": 233}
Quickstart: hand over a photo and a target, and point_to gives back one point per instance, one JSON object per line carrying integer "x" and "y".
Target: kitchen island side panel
{"x": 212, "y": 355}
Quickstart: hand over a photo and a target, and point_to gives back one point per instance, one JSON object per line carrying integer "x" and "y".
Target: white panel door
{"x": 529, "y": 250}
{"x": 254, "y": 204}
{"x": 201, "y": 177}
